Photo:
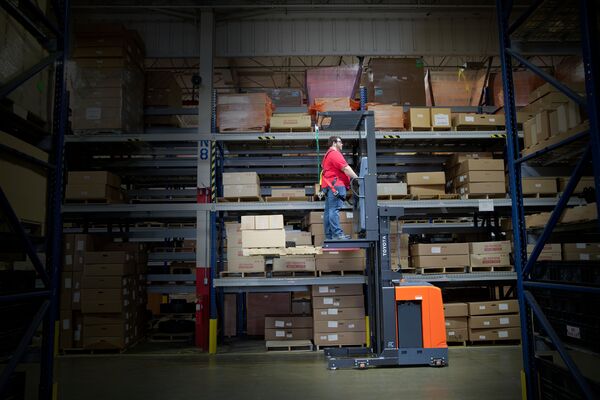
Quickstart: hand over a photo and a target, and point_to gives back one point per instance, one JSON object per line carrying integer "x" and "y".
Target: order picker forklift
{"x": 406, "y": 320}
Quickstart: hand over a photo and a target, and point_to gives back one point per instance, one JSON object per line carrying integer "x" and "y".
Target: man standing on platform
{"x": 335, "y": 180}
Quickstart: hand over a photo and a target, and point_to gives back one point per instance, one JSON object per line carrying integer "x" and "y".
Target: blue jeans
{"x": 331, "y": 215}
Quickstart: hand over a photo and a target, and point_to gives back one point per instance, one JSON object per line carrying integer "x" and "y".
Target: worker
{"x": 335, "y": 181}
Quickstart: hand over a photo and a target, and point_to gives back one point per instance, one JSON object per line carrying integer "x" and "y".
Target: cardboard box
{"x": 294, "y": 263}
{"x": 66, "y": 329}
{"x": 241, "y": 190}
{"x": 105, "y": 343}
{"x": 350, "y": 325}
{"x": 463, "y": 119}
{"x": 335, "y": 314}
{"x": 104, "y": 282}
{"x": 245, "y": 264}
{"x": 456, "y": 310}
{"x": 289, "y": 334}
{"x": 584, "y": 182}
{"x": 529, "y": 129}
{"x": 319, "y": 229}
{"x": 288, "y": 321}
{"x": 109, "y": 269}
{"x": 440, "y": 261}
{"x": 108, "y": 257}
{"x": 479, "y": 188}
{"x": 502, "y": 246}
{"x": 439, "y": 249}
{"x": 480, "y": 165}
{"x": 456, "y": 323}
{"x": 537, "y": 220}
{"x": 298, "y": 237}
{"x": 329, "y": 264}
{"x": 388, "y": 116}
{"x": 441, "y": 117}
{"x": 548, "y": 88}
{"x": 539, "y": 185}
{"x": 338, "y": 301}
{"x": 580, "y": 214}
{"x": 261, "y": 222}
{"x": 428, "y": 190}
{"x": 340, "y": 338}
{"x": 581, "y": 251}
{"x": 287, "y": 122}
{"x": 337, "y": 290}
{"x": 494, "y": 307}
{"x": 263, "y": 238}
{"x": 93, "y": 191}
{"x": 458, "y": 158}
{"x": 419, "y": 117}
{"x": 425, "y": 178}
{"x": 548, "y": 256}
{"x": 287, "y": 192}
{"x": 93, "y": 177}
{"x": 490, "y": 260}
{"x": 494, "y": 321}
{"x": 104, "y": 301}
{"x": 316, "y": 217}
{"x": 478, "y": 335}
{"x": 302, "y": 307}
{"x": 457, "y": 335}
{"x": 590, "y": 248}
{"x": 258, "y": 305}
{"x": 391, "y": 189}
{"x": 480, "y": 176}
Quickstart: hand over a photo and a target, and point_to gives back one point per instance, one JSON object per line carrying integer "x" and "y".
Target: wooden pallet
{"x": 293, "y": 273}
{"x": 283, "y": 251}
{"x": 160, "y": 337}
{"x": 456, "y": 344}
{"x": 441, "y": 270}
{"x": 258, "y": 129}
{"x": 270, "y": 199}
{"x": 470, "y": 196}
{"x": 415, "y": 129}
{"x": 244, "y": 199}
{"x": 174, "y": 249}
{"x": 446, "y": 196}
{"x": 408, "y": 270}
{"x": 499, "y": 128}
{"x": 90, "y": 132}
{"x": 340, "y": 273}
{"x": 338, "y": 346}
{"x": 541, "y": 195}
{"x": 229, "y": 274}
{"x": 388, "y": 129}
{"x": 289, "y": 345}
{"x": 492, "y": 268}
{"x": 394, "y": 197}
{"x": 291, "y": 130}
{"x": 511, "y": 342}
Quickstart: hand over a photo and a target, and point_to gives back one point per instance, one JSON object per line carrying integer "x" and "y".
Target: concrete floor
{"x": 474, "y": 373}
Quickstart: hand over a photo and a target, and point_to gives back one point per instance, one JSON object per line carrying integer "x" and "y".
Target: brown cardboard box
{"x": 285, "y": 122}
{"x": 93, "y": 177}
{"x": 93, "y": 191}
{"x": 427, "y": 190}
{"x": 66, "y": 329}
{"x": 104, "y": 301}
{"x": 419, "y": 117}
{"x": 494, "y": 307}
{"x": 529, "y": 130}
{"x": 340, "y": 338}
{"x": 441, "y": 117}
{"x": 456, "y": 310}
{"x": 457, "y": 335}
{"x": 336, "y": 290}
{"x": 104, "y": 282}
{"x": 581, "y": 251}
{"x": 458, "y": 158}
{"x": 391, "y": 189}
{"x": 425, "y": 178}
{"x": 456, "y": 323}
{"x": 298, "y": 237}
{"x": 241, "y": 191}
{"x": 319, "y": 229}
{"x": 584, "y": 182}
{"x": 539, "y": 185}
{"x": 548, "y": 256}
{"x": 287, "y": 192}
{"x": 501, "y": 246}
{"x": 303, "y": 307}
{"x": 294, "y": 263}
{"x": 478, "y": 335}
{"x": 318, "y": 240}
{"x": 494, "y": 321}
{"x": 490, "y": 260}
{"x": 439, "y": 249}
{"x": 287, "y": 321}
{"x": 580, "y": 214}
{"x": 289, "y": 334}
{"x": 335, "y": 314}
{"x": 105, "y": 343}
{"x": 66, "y": 290}
{"x": 338, "y": 301}
{"x": 537, "y": 220}
{"x": 339, "y": 264}
{"x": 245, "y": 264}
{"x": 480, "y": 165}
{"x": 387, "y": 116}
{"x": 462, "y": 119}
{"x": 127, "y": 268}
{"x": 259, "y": 305}
{"x": 108, "y": 257}
{"x": 480, "y": 176}
{"x": 548, "y": 88}
{"x": 77, "y": 285}
{"x": 482, "y": 188}
{"x": 349, "y": 325}
{"x": 335, "y": 255}
{"x": 316, "y": 217}
{"x": 229, "y": 315}
{"x": 440, "y": 261}
{"x": 261, "y": 222}
{"x": 263, "y": 238}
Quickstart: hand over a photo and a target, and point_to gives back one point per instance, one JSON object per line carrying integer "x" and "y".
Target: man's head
{"x": 335, "y": 141}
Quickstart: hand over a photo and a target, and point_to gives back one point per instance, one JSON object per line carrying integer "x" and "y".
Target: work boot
{"x": 342, "y": 237}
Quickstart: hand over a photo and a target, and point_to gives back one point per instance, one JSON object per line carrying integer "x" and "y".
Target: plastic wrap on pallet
{"x": 525, "y": 82}
{"x": 250, "y": 111}
{"x": 332, "y": 81}
{"x": 456, "y": 88}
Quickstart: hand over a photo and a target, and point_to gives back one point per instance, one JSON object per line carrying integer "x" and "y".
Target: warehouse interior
{"x": 165, "y": 224}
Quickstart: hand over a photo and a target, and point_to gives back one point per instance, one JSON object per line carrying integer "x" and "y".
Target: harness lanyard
{"x": 318, "y": 154}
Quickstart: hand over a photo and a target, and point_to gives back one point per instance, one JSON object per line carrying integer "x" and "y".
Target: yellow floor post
{"x": 367, "y": 332}
{"x": 523, "y": 385}
{"x": 212, "y": 336}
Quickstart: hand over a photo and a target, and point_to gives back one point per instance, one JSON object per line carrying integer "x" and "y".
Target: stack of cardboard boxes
{"x": 162, "y": 91}
{"x": 244, "y": 112}
{"x": 236, "y": 261}
{"x": 241, "y": 184}
{"x": 259, "y": 305}
{"x": 453, "y": 163}
{"x": 424, "y": 118}
{"x": 103, "y": 293}
{"x": 449, "y": 257}
{"x": 494, "y": 320}
{"x": 338, "y": 315}
{"x": 262, "y": 231}
{"x": 391, "y": 189}
{"x": 288, "y": 327}
{"x": 550, "y": 252}
{"x": 426, "y": 183}
{"x": 457, "y": 324}
{"x": 287, "y": 192}
{"x": 106, "y": 79}
{"x": 93, "y": 185}
{"x": 480, "y": 177}
{"x": 489, "y": 256}
{"x": 338, "y": 261}
{"x": 581, "y": 251}
{"x": 314, "y": 223}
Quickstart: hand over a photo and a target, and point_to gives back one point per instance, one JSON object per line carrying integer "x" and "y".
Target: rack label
{"x": 574, "y": 332}
{"x": 332, "y": 324}
{"x": 323, "y": 289}
{"x": 486, "y": 205}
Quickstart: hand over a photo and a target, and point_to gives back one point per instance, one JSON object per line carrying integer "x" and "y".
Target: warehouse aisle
{"x": 475, "y": 373}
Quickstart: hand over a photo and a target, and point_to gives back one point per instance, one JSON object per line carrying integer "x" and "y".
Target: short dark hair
{"x": 332, "y": 140}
